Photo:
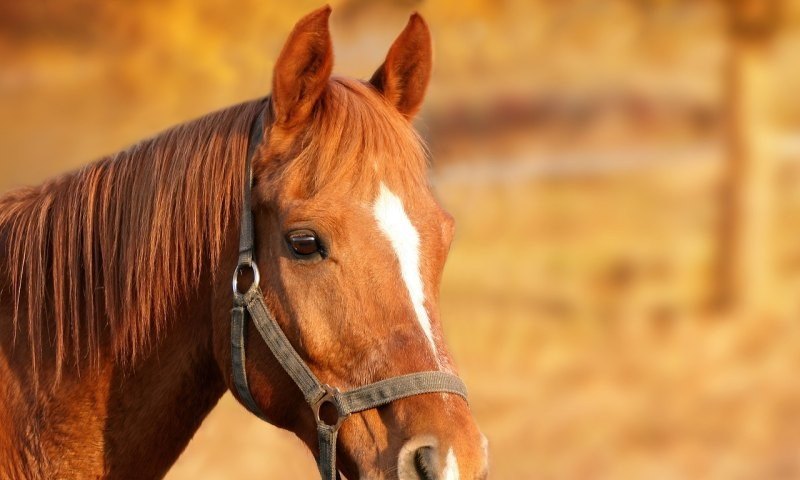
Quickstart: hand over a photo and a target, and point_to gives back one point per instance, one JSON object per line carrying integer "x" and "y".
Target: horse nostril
{"x": 426, "y": 463}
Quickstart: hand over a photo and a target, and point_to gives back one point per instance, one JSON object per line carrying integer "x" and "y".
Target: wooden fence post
{"x": 746, "y": 254}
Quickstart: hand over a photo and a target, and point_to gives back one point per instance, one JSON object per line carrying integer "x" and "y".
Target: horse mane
{"x": 104, "y": 252}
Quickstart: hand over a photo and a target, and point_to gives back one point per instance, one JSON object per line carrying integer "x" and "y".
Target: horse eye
{"x": 303, "y": 242}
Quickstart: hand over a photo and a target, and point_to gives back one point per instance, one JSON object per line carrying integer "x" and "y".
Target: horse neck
{"x": 126, "y": 422}
{"x": 155, "y": 409}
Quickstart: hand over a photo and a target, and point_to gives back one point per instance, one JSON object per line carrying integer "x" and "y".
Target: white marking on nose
{"x": 395, "y": 224}
{"x": 450, "y": 467}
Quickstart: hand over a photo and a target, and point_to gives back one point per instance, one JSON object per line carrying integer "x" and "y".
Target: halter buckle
{"x": 331, "y": 397}
{"x": 235, "y": 283}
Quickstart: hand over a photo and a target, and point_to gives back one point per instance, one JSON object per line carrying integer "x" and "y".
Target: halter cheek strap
{"x": 251, "y": 304}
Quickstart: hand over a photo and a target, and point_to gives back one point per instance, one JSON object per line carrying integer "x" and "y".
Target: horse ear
{"x": 405, "y": 73}
{"x": 303, "y": 68}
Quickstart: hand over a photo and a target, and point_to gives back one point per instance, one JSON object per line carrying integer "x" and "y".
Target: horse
{"x": 115, "y": 300}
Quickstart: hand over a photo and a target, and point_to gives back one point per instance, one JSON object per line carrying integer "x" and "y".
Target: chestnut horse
{"x": 115, "y": 293}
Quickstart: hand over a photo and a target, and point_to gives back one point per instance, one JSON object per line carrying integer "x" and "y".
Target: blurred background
{"x": 622, "y": 295}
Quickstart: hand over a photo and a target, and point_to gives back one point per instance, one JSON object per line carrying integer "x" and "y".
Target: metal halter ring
{"x": 330, "y": 396}
{"x": 256, "y": 276}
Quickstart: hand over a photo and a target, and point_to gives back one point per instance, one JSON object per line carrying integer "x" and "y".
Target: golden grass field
{"x": 580, "y": 308}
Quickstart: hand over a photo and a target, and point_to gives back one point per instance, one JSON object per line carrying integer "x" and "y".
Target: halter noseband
{"x": 316, "y": 394}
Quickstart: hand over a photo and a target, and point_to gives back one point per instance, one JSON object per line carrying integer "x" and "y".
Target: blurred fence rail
{"x": 527, "y": 167}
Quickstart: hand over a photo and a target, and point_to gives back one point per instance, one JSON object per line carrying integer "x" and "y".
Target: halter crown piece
{"x": 251, "y": 303}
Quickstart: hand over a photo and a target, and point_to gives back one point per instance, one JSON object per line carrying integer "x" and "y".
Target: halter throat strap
{"x": 251, "y": 304}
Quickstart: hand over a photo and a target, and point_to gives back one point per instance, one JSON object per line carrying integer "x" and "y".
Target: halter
{"x": 316, "y": 393}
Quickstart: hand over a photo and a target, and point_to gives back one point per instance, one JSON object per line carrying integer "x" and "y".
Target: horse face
{"x": 351, "y": 245}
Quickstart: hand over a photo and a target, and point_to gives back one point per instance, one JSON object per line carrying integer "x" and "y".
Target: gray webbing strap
{"x": 391, "y": 389}
{"x": 246, "y": 243}
{"x": 281, "y": 348}
{"x": 246, "y": 235}
{"x": 375, "y": 395}
{"x": 238, "y": 360}
{"x": 315, "y": 393}
{"x": 327, "y": 435}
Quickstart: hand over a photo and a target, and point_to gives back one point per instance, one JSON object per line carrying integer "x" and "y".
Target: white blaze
{"x": 395, "y": 224}
{"x": 450, "y": 467}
